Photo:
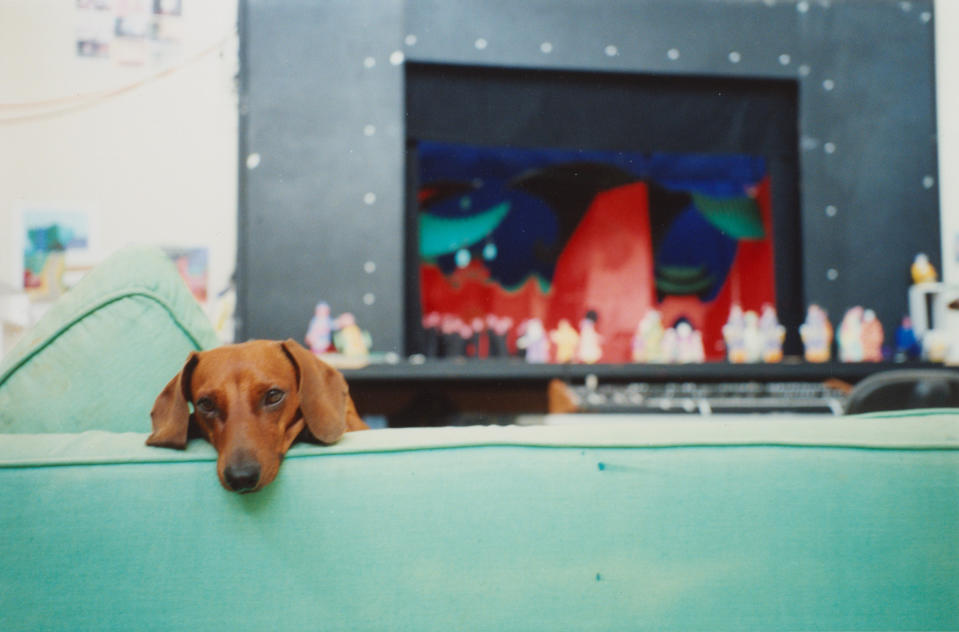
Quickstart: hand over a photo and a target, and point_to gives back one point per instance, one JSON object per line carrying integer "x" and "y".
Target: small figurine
{"x": 922, "y": 270}
{"x": 752, "y": 339}
{"x": 319, "y": 334}
{"x": 648, "y": 338}
{"x": 733, "y": 332}
{"x": 534, "y": 341}
{"x": 689, "y": 344}
{"x": 850, "y": 336}
{"x": 772, "y": 334}
{"x": 669, "y": 349}
{"x": 497, "y": 331}
{"x": 872, "y": 337}
{"x": 224, "y": 321}
{"x": 349, "y": 339}
{"x": 431, "y": 335}
{"x": 589, "y": 350}
{"x": 453, "y": 344}
{"x": 816, "y": 333}
{"x": 907, "y": 345}
{"x": 565, "y": 338}
{"x": 474, "y": 347}
{"x": 465, "y": 332}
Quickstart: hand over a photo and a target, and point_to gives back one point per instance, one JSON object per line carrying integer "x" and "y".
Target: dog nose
{"x": 243, "y": 476}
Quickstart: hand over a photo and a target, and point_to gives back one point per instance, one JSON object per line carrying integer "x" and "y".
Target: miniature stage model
{"x": 552, "y": 234}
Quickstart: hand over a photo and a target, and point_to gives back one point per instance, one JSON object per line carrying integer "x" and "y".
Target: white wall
{"x": 157, "y": 161}
{"x": 947, "y": 79}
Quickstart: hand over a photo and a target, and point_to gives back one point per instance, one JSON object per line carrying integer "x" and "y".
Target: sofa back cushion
{"x": 101, "y": 354}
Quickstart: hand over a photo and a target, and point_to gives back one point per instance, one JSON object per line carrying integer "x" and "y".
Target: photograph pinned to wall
{"x": 94, "y": 28}
{"x": 131, "y": 32}
{"x": 58, "y": 246}
{"x": 168, "y": 28}
{"x": 132, "y": 28}
{"x": 193, "y": 264}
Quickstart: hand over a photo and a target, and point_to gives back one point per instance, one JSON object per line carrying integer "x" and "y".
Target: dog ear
{"x": 323, "y": 393}
{"x": 171, "y": 411}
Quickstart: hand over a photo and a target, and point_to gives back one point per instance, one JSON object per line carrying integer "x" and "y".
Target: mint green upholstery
{"x": 102, "y": 353}
{"x": 750, "y": 523}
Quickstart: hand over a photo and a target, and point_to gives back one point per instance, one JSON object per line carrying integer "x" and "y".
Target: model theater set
{"x": 505, "y": 176}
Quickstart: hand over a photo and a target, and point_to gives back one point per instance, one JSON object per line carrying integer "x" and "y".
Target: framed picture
{"x": 56, "y": 246}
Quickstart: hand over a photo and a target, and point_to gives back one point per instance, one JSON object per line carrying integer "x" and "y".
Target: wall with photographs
{"x": 118, "y": 122}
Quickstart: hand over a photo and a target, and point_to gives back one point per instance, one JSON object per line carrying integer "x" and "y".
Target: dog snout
{"x": 242, "y": 473}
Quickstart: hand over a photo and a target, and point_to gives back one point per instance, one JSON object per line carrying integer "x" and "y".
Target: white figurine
{"x": 534, "y": 341}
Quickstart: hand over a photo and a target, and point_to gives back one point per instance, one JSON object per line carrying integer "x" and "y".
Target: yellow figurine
{"x": 566, "y": 339}
{"x": 922, "y": 270}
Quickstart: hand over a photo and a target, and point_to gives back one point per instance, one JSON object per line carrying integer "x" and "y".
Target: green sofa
{"x": 739, "y": 524}
{"x": 583, "y": 523}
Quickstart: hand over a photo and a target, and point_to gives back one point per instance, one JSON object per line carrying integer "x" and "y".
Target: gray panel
{"x": 324, "y": 207}
{"x": 868, "y": 137}
{"x": 652, "y": 36}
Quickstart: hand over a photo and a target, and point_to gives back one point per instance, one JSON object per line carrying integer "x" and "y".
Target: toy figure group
{"x": 341, "y": 334}
{"x": 859, "y": 339}
{"x": 749, "y": 337}
{"x": 563, "y": 345}
{"x": 752, "y": 337}
{"x": 449, "y": 336}
{"x": 652, "y": 343}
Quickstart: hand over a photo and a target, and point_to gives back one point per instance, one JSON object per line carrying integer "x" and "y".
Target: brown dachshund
{"x": 252, "y": 401}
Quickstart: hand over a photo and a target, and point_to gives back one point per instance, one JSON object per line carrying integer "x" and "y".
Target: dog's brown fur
{"x": 252, "y": 401}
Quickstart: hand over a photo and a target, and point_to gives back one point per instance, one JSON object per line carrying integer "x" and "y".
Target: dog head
{"x": 251, "y": 401}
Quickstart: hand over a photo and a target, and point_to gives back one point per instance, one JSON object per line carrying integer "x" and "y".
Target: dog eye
{"x": 273, "y": 396}
{"x": 206, "y": 406}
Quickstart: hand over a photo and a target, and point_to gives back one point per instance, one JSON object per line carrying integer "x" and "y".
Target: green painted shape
{"x": 444, "y": 235}
{"x": 736, "y": 217}
{"x": 682, "y": 280}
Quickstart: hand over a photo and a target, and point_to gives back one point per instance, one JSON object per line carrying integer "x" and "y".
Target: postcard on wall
{"x": 193, "y": 264}
{"x": 57, "y": 245}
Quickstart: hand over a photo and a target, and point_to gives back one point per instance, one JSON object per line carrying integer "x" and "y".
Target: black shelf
{"x": 508, "y": 371}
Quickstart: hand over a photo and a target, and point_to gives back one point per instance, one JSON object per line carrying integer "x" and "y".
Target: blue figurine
{"x": 907, "y": 345}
